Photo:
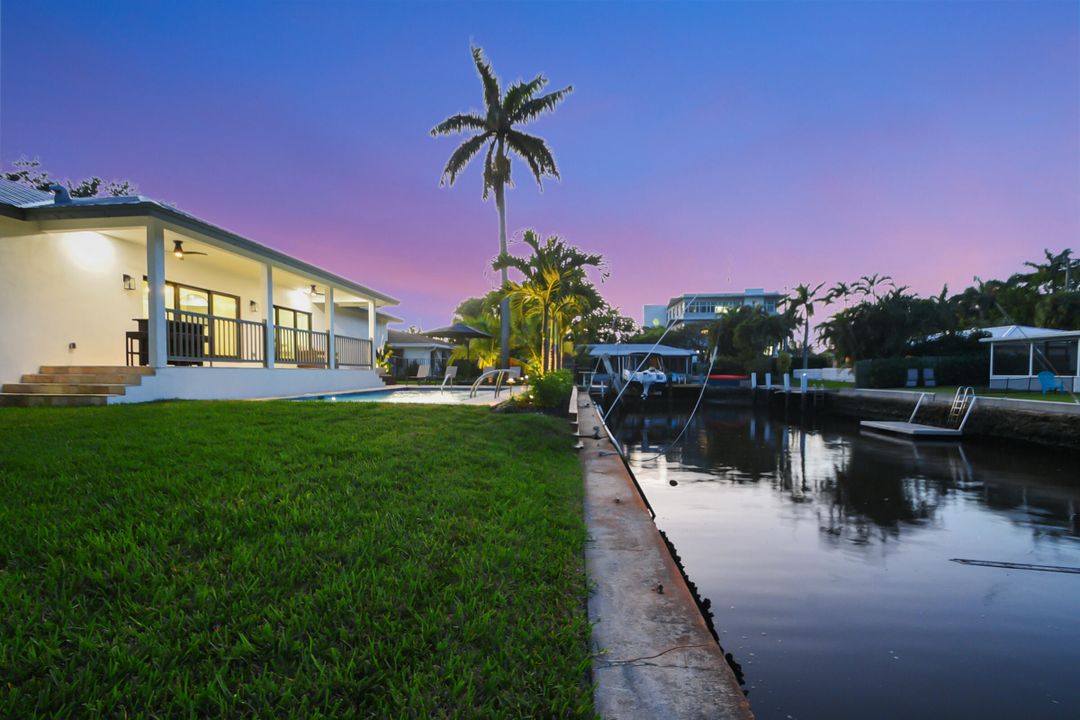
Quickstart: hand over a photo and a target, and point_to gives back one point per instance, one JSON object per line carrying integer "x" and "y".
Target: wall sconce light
{"x": 253, "y": 306}
{"x": 129, "y": 282}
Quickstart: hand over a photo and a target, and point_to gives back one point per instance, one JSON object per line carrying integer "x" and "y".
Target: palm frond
{"x": 520, "y": 92}
{"x": 461, "y": 157}
{"x": 534, "y": 151}
{"x": 492, "y": 93}
{"x": 459, "y": 123}
{"x": 535, "y": 107}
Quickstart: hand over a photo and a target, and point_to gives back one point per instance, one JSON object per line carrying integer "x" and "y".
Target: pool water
{"x": 827, "y": 557}
{"x": 427, "y": 396}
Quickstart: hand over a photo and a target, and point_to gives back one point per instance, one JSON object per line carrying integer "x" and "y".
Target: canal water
{"x": 827, "y": 553}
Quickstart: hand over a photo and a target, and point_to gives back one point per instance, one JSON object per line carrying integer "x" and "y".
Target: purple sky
{"x": 707, "y": 147}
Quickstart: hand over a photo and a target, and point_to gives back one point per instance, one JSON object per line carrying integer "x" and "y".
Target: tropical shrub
{"x": 955, "y": 370}
{"x": 552, "y": 390}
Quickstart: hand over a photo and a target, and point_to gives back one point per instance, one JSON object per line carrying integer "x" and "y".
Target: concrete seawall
{"x": 1045, "y": 423}
{"x": 653, "y": 653}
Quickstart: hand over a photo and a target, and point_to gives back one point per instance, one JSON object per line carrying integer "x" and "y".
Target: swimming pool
{"x": 419, "y": 395}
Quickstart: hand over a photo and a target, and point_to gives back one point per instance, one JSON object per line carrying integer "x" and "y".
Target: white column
{"x": 370, "y": 328}
{"x": 158, "y": 350}
{"x": 991, "y": 359}
{"x": 1031, "y": 359}
{"x": 331, "y": 352}
{"x": 268, "y": 285}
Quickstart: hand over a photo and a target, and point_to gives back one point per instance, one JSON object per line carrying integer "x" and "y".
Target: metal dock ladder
{"x": 963, "y": 402}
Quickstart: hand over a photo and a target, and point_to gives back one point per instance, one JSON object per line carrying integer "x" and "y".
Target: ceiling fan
{"x": 179, "y": 253}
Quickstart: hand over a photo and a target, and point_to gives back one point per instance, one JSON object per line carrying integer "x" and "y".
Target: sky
{"x": 706, "y": 146}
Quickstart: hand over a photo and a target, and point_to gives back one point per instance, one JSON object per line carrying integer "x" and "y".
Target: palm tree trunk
{"x": 806, "y": 344}
{"x": 504, "y": 306}
{"x": 544, "y": 364}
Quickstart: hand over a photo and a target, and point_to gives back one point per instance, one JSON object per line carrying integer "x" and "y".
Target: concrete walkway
{"x": 654, "y": 657}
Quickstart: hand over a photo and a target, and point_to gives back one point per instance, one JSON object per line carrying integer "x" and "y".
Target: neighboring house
{"x": 420, "y": 349}
{"x": 692, "y": 307}
{"x": 131, "y": 299}
{"x": 1019, "y": 353}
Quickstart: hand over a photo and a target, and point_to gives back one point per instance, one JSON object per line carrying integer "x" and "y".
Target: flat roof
{"x": 619, "y": 349}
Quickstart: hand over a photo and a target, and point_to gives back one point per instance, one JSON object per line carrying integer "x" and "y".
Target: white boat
{"x": 646, "y": 378}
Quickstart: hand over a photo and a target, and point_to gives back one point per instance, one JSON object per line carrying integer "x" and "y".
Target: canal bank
{"x": 654, "y": 654}
{"x": 1052, "y": 424}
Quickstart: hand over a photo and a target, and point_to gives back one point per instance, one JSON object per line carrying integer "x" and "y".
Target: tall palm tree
{"x": 802, "y": 302}
{"x": 496, "y": 129}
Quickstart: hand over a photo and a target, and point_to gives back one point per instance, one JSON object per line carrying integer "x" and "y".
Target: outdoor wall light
{"x": 253, "y": 306}
{"x": 129, "y": 282}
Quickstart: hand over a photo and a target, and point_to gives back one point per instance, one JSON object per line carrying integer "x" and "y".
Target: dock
{"x": 910, "y": 429}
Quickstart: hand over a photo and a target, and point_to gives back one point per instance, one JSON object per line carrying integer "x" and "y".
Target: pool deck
{"x": 653, "y": 654}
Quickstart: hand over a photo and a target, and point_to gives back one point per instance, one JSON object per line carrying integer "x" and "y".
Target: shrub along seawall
{"x": 948, "y": 370}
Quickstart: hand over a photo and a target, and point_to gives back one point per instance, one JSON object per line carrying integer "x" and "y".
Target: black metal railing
{"x": 352, "y": 352}
{"x": 194, "y": 338}
{"x": 294, "y": 346}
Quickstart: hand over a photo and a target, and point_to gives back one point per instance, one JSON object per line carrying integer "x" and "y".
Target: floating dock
{"x": 910, "y": 429}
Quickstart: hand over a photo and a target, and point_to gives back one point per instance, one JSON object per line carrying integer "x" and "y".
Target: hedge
{"x": 951, "y": 370}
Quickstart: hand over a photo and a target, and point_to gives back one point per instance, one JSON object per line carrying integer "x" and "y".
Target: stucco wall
{"x": 244, "y": 383}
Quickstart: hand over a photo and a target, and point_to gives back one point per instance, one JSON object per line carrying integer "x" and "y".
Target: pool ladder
{"x": 500, "y": 375}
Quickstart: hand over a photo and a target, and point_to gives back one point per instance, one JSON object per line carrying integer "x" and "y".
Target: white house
{"x": 1019, "y": 353}
{"x": 126, "y": 299}
{"x": 420, "y": 349}
{"x": 691, "y": 307}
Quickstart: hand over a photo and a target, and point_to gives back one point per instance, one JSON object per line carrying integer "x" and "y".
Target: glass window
{"x": 1060, "y": 354}
{"x": 1011, "y": 358}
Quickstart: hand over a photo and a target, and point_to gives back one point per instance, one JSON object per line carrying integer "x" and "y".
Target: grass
{"x": 950, "y": 390}
{"x": 290, "y": 559}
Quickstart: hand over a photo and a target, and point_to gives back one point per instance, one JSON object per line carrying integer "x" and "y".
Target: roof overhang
{"x": 214, "y": 235}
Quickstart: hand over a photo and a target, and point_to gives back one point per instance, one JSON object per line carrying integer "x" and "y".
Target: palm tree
{"x": 869, "y": 284}
{"x": 555, "y": 289}
{"x": 495, "y": 129}
{"x": 803, "y": 300}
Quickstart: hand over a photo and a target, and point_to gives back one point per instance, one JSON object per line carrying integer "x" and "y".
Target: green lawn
{"x": 286, "y": 558}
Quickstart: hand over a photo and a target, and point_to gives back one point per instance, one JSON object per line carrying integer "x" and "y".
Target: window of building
{"x": 1011, "y": 358}
{"x": 1060, "y": 354}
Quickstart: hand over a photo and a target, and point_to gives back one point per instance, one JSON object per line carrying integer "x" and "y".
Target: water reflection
{"x": 826, "y": 552}
{"x": 863, "y": 488}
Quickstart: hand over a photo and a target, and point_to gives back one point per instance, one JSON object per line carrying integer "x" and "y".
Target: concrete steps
{"x": 71, "y": 385}
{"x": 32, "y": 400}
{"x": 111, "y": 378}
{"x": 64, "y": 388}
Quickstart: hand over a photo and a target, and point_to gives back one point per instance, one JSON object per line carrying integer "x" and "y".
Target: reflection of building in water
{"x": 863, "y": 490}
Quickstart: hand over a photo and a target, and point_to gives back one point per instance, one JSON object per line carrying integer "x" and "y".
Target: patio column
{"x": 331, "y": 344}
{"x": 158, "y": 349}
{"x": 1031, "y": 359}
{"x": 268, "y": 285}
{"x": 370, "y": 329}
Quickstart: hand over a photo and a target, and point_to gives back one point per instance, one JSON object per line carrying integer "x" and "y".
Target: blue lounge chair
{"x": 928, "y": 377}
{"x": 912, "y": 378}
{"x": 1047, "y": 381}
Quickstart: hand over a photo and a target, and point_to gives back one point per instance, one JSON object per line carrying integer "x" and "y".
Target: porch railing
{"x": 352, "y": 352}
{"x": 294, "y": 346}
{"x": 194, "y": 338}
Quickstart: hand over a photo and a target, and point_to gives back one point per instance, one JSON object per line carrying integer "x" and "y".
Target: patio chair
{"x": 449, "y": 375}
{"x": 912, "y": 378}
{"x": 1047, "y": 381}
{"x": 928, "y": 377}
{"x": 423, "y": 372}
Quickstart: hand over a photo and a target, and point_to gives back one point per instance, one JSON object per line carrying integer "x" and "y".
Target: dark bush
{"x": 951, "y": 370}
{"x": 467, "y": 369}
{"x": 552, "y": 391}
